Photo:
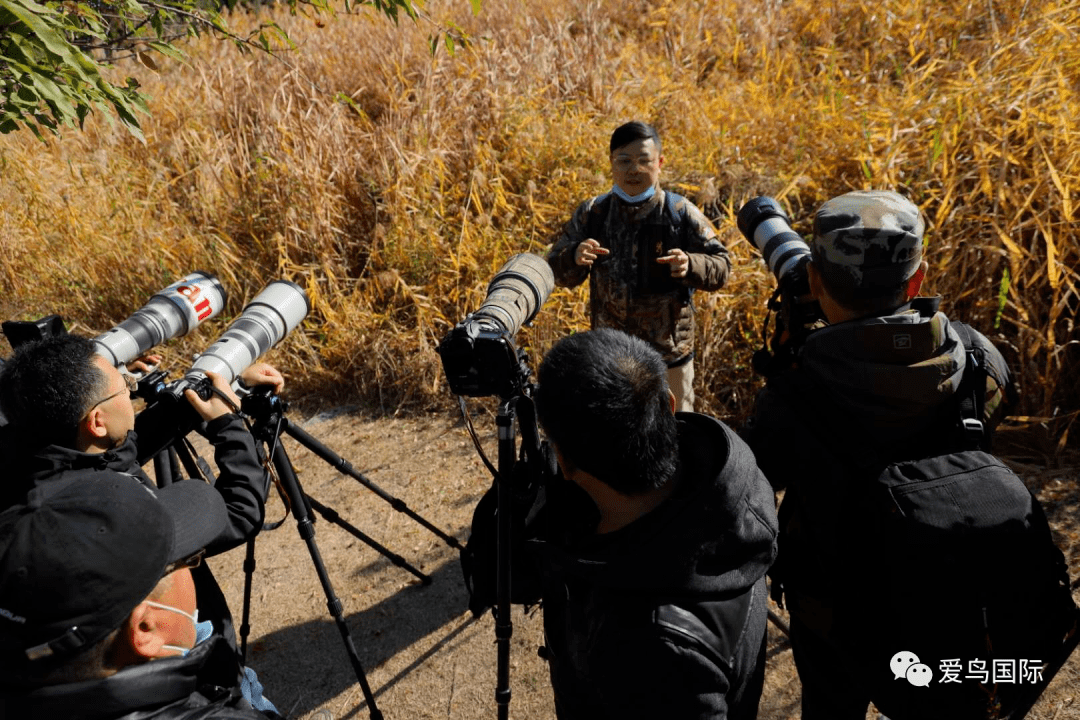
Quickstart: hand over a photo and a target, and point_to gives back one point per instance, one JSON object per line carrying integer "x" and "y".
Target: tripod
{"x": 268, "y": 413}
{"x": 534, "y": 465}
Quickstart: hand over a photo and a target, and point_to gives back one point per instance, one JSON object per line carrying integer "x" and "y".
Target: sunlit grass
{"x": 394, "y": 211}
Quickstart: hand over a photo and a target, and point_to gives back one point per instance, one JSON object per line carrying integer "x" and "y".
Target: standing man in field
{"x": 644, "y": 251}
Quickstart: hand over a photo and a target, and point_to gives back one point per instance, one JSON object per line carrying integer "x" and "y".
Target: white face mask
{"x": 194, "y": 623}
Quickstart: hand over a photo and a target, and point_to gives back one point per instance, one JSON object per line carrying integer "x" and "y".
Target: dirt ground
{"x": 423, "y": 654}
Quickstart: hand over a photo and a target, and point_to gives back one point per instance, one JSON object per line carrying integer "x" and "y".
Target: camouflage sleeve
{"x": 1001, "y": 394}
{"x": 710, "y": 266}
{"x": 561, "y": 256}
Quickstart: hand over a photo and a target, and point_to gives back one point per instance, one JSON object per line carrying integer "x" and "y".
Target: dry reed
{"x": 395, "y": 209}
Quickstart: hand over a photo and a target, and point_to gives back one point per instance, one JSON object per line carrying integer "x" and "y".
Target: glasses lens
{"x": 191, "y": 562}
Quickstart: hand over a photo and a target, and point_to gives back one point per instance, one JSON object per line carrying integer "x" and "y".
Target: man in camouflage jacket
{"x": 644, "y": 251}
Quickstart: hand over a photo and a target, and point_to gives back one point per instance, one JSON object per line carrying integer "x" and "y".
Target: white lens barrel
{"x": 268, "y": 318}
{"x": 517, "y": 291}
{"x": 174, "y": 311}
{"x": 767, "y": 228}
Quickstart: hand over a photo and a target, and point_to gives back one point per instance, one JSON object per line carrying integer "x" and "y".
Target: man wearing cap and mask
{"x": 98, "y": 610}
{"x": 878, "y": 381}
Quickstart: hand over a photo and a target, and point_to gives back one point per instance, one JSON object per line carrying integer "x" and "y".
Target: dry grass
{"x": 394, "y": 211}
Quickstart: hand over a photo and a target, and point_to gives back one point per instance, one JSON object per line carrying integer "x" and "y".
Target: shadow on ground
{"x": 312, "y": 656}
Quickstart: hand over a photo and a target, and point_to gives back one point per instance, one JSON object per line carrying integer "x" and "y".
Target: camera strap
{"x": 194, "y": 464}
{"x": 764, "y": 361}
{"x": 475, "y": 437}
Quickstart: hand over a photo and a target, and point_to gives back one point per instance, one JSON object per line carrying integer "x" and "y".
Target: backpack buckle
{"x": 973, "y": 430}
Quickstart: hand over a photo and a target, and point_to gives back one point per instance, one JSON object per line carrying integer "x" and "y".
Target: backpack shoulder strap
{"x": 594, "y": 225}
{"x": 677, "y": 222}
{"x": 676, "y": 214}
{"x": 971, "y": 393}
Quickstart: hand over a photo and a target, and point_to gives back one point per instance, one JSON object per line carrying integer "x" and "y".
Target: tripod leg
{"x": 166, "y": 467}
{"x": 342, "y": 465}
{"x": 249, "y": 571}
{"x": 307, "y": 532}
{"x": 193, "y": 463}
{"x": 779, "y": 623}
{"x": 332, "y": 516}
{"x": 504, "y": 628}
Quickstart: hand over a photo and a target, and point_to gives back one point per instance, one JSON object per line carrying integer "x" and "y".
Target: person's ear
{"x": 94, "y": 423}
{"x": 141, "y": 633}
{"x": 660, "y": 162}
{"x": 671, "y": 400}
{"x": 816, "y": 289}
{"x": 914, "y": 283}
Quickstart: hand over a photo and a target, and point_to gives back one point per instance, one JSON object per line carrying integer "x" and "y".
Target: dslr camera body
{"x": 479, "y": 356}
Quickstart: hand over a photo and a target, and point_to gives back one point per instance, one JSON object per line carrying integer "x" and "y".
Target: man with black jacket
{"x": 879, "y": 384}
{"x": 657, "y": 544}
{"x": 98, "y": 611}
{"x": 72, "y": 415}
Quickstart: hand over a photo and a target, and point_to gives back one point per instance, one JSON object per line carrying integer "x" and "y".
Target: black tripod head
{"x": 265, "y": 410}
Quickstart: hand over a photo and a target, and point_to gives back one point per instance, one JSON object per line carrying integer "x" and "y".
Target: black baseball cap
{"x": 75, "y": 563}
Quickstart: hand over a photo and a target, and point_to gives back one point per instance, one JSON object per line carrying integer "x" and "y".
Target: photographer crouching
{"x": 71, "y": 414}
{"x": 654, "y": 562}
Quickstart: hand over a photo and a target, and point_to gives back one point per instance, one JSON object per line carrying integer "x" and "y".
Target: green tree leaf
{"x": 50, "y": 71}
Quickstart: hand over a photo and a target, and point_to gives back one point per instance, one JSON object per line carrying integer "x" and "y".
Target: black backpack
{"x": 479, "y": 558}
{"x": 954, "y": 562}
{"x": 960, "y": 568}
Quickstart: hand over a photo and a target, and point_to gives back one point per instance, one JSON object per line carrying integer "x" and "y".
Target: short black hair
{"x": 46, "y": 387}
{"x": 631, "y": 131}
{"x": 602, "y": 399}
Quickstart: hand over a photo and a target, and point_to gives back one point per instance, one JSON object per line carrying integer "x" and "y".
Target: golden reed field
{"x": 395, "y": 209}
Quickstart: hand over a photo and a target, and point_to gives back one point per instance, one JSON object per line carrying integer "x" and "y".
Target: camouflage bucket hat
{"x": 868, "y": 241}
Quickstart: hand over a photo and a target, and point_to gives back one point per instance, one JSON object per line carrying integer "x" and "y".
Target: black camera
{"x": 765, "y": 224}
{"x": 479, "y": 356}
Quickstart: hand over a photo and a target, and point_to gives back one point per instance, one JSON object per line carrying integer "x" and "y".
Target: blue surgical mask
{"x": 203, "y": 631}
{"x": 640, "y": 197}
{"x": 194, "y": 622}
